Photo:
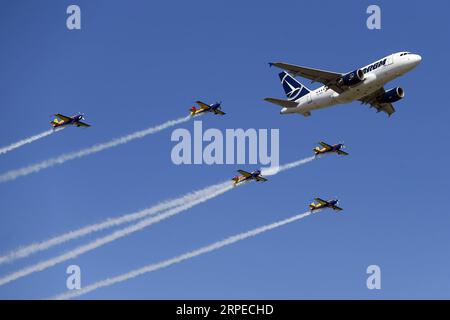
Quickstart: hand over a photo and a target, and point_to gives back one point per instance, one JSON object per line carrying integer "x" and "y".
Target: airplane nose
{"x": 416, "y": 59}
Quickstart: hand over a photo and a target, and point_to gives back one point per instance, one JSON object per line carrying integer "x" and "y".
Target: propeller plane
{"x": 247, "y": 176}
{"x": 326, "y": 148}
{"x": 323, "y": 204}
{"x": 215, "y": 108}
{"x": 62, "y": 120}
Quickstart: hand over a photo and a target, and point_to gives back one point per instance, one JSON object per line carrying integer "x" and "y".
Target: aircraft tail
{"x": 56, "y": 122}
{"x": 294, "y": 90}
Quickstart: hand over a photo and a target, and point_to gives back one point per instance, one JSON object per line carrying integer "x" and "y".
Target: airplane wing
{"x": 282, "y": 103}
{"x": 342, "y": 153}
{"x": 325, "y": 145}
{"x": 63, "y": 117}
{"x": 82, "y": 124}
{"x": 385, "y": 107}
{"x": 261, "y": 179}
{"x": 245, "y": 173}
{"x": 337, "y": 208}
{"x": 202, "y": 105}
{"x": 328, "y": 78}
{"x": 371, "y": 99}
{"x": 321, "y": 201}
{"x": 217, "y": 111}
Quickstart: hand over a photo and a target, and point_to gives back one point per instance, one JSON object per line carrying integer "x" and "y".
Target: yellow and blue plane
{"x": 246, "y": 176}
{"x": 215, "y": 108}
{"x": 323, "y": 204}
{"x": 62, "y": 120}
{"x": 326, "y": 148}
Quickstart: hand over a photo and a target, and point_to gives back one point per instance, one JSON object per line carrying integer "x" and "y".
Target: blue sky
{"x": 140, "y": 63}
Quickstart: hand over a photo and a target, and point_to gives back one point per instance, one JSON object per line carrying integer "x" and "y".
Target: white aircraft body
{"x": 365, "y": 85}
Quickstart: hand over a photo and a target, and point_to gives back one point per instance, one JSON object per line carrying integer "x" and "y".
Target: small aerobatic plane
{"x": 364, "y": 84}
{"x": 246, "y": 176}
{"x": 216, "y": 108}
{"x": 322, "y": 204}
{"x": 326, "y": 148}
{"x": 62, "y": 120}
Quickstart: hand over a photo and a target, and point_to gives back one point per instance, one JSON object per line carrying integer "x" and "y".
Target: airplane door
{"x": 386, "y": 71}
{"x": 390, "y": 60}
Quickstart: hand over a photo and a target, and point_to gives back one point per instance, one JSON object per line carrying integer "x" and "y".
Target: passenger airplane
{"x": 365, "y": 84}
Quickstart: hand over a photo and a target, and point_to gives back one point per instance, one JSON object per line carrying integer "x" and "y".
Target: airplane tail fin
{"x": 56, "y": 123}
{"x": 294, "y": 90}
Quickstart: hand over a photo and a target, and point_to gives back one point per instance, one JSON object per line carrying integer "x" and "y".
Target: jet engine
{"x": 392, "y": 95}
{"x": 352, "y": 78}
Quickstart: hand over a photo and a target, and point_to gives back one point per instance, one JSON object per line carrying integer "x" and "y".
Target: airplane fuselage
{"x": 253, "y": 176}
{"x": 376, "y": 75}
{"x": 330, "y": 204}
{"x": 211, "y": 108}
{"x": 73, "y": 121}
{"x": 334, "y": 148}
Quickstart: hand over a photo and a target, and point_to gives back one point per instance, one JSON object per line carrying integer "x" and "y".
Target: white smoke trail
{"x": 113, "y": 222}
{"x": 222, "y": 188}
{"x": 180, "y": 258}
{"x": 108, "y": 223}
{"x": 25, "y": 141}
{"x": 287, "y": 166}
{"x": 14, "y": 174}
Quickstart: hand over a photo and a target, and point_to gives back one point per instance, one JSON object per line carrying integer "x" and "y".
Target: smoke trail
{"x": 180, "y": 258}
{"x": 25, "y": 141}
{"x": 14, "y": 174}
{"x": 108, "y": 223}
{"x": 287, "y": 166}
{"x": 112, "y": 222}
{"x": 222, "y": 188}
